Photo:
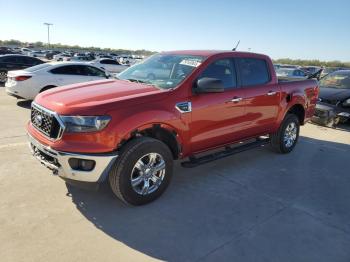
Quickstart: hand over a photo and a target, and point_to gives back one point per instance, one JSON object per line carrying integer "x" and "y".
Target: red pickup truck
{"x": 174, "y": 105}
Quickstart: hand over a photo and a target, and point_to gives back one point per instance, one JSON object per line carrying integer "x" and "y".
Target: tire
{"x": 126, "y": 168}
{"x": 3, "y": 76}
{"x": 278, "y": 142}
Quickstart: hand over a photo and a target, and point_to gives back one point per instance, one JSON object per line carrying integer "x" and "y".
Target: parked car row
{"x": 71, "y": 55}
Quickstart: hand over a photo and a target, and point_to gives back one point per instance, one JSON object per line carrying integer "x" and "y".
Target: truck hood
{"x": 333, "y": 95}
{"x": 95, "y": 97}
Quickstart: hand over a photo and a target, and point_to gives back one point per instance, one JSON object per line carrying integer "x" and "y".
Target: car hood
{"x": 96, "y": 97}
{"x": 333, "y": 94}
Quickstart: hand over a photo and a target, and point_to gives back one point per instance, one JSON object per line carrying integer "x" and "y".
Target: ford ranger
{"x": 198, "y": 105}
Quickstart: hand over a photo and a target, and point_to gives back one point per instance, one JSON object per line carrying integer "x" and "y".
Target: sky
{"x": 293, "y": 28}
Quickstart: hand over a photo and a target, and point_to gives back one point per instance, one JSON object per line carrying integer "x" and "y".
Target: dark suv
{"x": 15, "y": 62}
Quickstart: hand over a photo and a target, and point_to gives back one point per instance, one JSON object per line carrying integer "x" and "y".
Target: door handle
{"x": 271, "y": 93}
{"x": 236, "y": 99}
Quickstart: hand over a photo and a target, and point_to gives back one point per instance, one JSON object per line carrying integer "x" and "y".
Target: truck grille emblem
{"x": 38, "y": 120}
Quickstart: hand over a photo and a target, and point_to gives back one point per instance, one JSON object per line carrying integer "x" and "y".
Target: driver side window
{"x": 222, "y": 69}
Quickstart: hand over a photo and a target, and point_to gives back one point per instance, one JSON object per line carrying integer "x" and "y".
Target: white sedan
{"x": 33, "y": 80}
{"x": 109, "y": 65}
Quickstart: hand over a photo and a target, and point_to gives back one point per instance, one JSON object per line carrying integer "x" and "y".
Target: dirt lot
{"x": 255, "y": 206}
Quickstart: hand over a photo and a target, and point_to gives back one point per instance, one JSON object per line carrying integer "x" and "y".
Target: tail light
{"x": 22, "y": 78}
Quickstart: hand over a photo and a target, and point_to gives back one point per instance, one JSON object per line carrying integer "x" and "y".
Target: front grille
{"x": 45, "y": 121}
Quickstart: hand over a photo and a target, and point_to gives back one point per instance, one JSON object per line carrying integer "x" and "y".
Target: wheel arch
{"x": 298, "y": 110}
{"x": 163, "y": 132}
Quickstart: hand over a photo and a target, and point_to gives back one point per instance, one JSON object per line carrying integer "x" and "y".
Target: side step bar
{"x": 193, "y": 161}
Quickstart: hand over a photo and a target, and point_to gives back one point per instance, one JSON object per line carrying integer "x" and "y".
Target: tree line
{"x": 76, "y": 48}
{"x": 315, "y": 62}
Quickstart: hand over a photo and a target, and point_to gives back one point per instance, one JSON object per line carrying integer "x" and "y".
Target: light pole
{"x": 48, "y": 33}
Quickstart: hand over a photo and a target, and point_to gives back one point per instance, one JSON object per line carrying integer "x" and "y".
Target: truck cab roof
{"x": 208, "y": 53}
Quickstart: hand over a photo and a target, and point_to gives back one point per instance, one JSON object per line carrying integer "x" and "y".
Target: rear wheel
{"x": 3, "y": 76}
{"x": 142, "y": 172}
{"x": 285, "y": 139}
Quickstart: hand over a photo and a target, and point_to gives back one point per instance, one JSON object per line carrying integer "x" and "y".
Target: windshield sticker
{"x": 190, "y": 62}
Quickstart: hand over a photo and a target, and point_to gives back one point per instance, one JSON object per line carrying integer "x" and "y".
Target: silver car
{"x": 291, "y": 74}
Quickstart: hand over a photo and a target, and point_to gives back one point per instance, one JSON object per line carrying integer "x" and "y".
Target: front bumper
{"x": 325, "y": 113}
{"x": 57, "y": 161}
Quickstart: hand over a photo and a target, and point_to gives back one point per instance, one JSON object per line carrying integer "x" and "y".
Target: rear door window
{"x": 253, "y": 71}
{"x": 69, "y": 70}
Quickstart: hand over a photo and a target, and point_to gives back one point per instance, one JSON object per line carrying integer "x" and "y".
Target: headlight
{"x": 75, "y": 124}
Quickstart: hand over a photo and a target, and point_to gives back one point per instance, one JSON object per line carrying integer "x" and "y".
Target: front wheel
{"x": 142, "y": 172}
{"x": 285, "y": 139}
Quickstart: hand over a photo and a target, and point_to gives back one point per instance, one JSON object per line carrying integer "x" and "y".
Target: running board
{"x": 193, "y": 162}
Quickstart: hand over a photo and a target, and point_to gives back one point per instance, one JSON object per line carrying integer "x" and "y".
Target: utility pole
{"x": 48, "y": 33}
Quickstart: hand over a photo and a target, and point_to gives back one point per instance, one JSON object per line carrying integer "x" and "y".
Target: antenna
{"x": 235, "y": 48}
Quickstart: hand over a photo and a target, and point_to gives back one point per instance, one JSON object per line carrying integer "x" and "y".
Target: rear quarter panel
{"x": 303, "y": 92}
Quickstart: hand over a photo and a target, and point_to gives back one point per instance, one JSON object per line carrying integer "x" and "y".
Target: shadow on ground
{"x": 295, "y": 206}
{"x": 342, "y": 126}
{"x": 25, "y": 103}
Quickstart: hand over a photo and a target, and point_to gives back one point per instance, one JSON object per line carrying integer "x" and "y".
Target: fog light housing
{"x": 81, "y": 164}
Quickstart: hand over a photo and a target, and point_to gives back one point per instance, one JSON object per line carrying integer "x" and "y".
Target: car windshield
{"x": 162, "y": 70}
{"x": 37, "y": 67}
{"x": 339, "y": 79}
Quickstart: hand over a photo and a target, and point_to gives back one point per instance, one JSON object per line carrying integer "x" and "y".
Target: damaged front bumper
{"x": 73, "y": 166}
{"x": 326, "y": 114}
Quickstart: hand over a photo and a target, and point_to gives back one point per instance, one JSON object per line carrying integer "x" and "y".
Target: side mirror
{"x": 208, "y": 85}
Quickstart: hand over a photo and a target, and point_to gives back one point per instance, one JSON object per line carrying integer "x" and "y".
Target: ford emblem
{"x": 38, "y": 120}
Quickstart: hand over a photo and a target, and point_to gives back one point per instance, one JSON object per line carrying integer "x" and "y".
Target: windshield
{"x": 339, "y": 79}
{"x": 162, "y": 70}
{"x": 37, "y": 67}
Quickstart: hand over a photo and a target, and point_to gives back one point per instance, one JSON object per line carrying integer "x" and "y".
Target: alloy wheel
{"x": 148, "y": 173}
{"x": 290, "y": 134}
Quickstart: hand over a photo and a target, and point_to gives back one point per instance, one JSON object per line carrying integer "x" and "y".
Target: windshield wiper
{"x": 142, "y": 82}
{"x": 137, "y": 81}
